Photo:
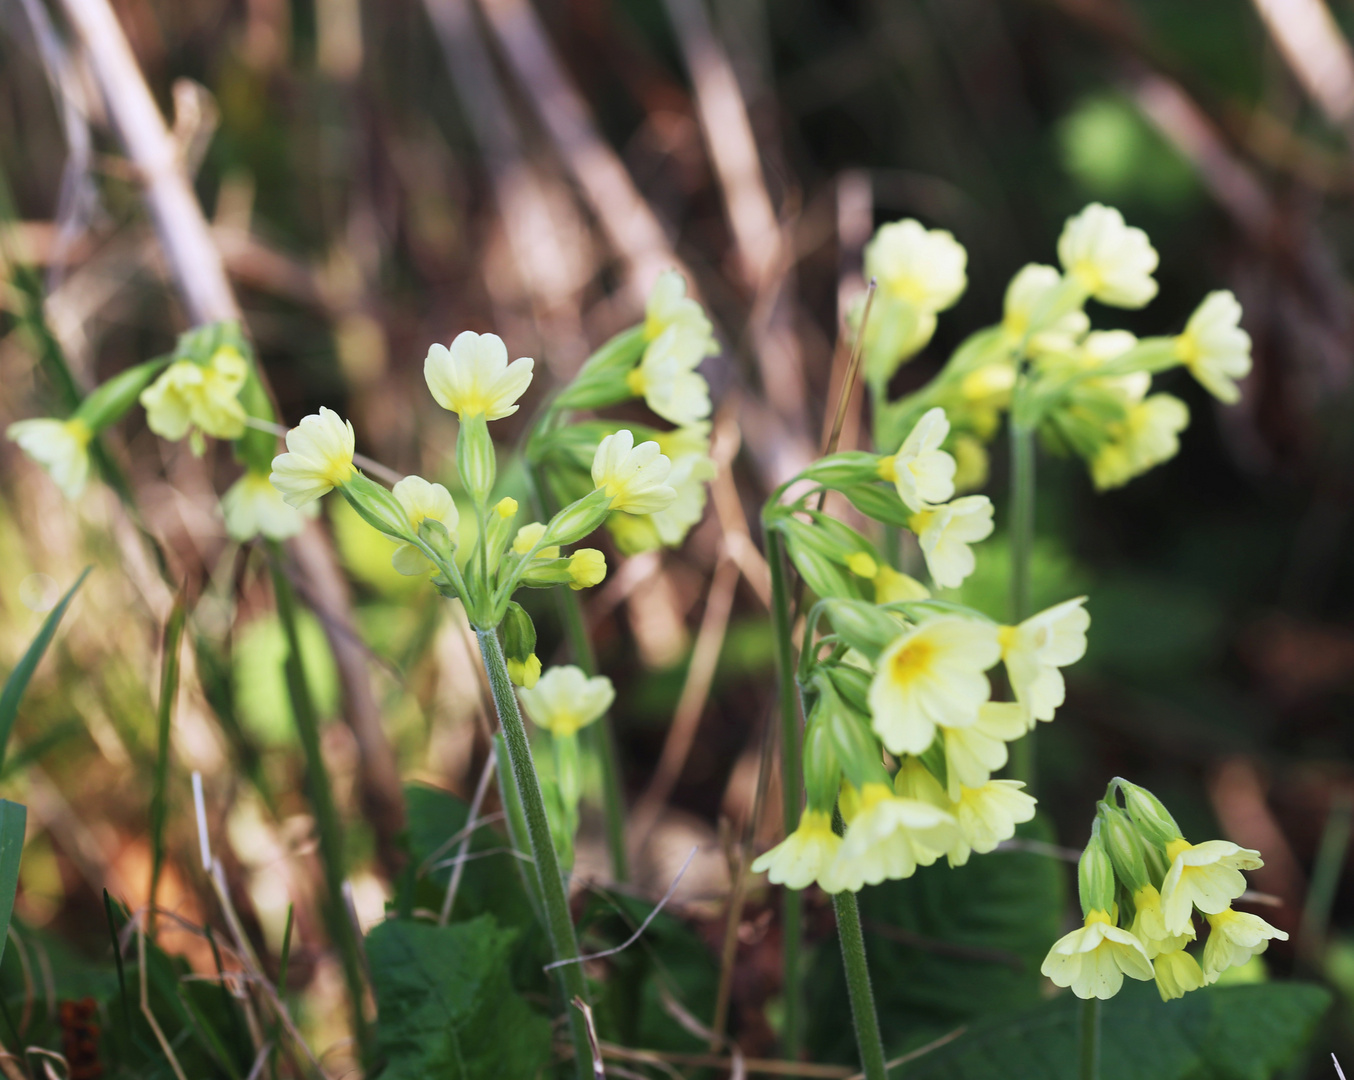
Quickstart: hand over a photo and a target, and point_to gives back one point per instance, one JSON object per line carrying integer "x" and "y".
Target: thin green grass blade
{"x": 39, "y": 747}
{"x": 159, "y": 799}
{"x": 117, "y": 957}
{"x": 13, "y": 819}
{"x": 18, "y": 679}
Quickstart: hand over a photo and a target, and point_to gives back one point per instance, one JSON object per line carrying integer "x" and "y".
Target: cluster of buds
{"x": 1142, "y": 884}
{"x": 902, "y": 735}
{"x": 1087, "y": 392}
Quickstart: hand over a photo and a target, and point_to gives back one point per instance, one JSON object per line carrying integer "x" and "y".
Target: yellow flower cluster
{"x": 1137, "y": 853}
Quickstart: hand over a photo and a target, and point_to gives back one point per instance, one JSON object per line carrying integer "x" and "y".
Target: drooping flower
{"x": 945, "y": 533}
{"x": 1036, "y": 649}
{"x": 668, "y": 306}
{"x": 893, "y": 587}
{"x": 922, "y": 472}
{"x": 253, "y": 507}
{"x": 524, "y": 672}
{"x": 635, "y": 477}
{"x": 888, "y": 838}
{"x": 987, "y": 815}
{"x": 422, "y": 501}
{"x": 1206, "y": 876}
{"x": 1094, "y": 959}
{"x": 805, "y": 855}
{"x": 1111, "y": 260}
{"x": 59, "y": 446}
{"x": 564, "y": 699}
{"x": 930, "y": 677}
{"x": 1215, "y": 348}
{"x": 472, "y": 377}
{"x": 1148, "y": 436}
{"x": 192, "y": 397}
{"x": 1149, "y": 924}
{"x": 1177, "y": 973}
{"x": 1032, "y": 288}
{"x": 587, "y": 567}
{"x": 1233, "y": 938}
{"x": 925, "y": 267}
{"x": 974, "y": 753}
{"x": 319, "y": 458}
{"x": 678, "y": 337}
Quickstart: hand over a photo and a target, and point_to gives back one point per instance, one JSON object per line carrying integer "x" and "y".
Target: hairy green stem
{"x": 1022, "y": 547}
{"x": 790, "y": 772}
{"x": 558, "y": 922}
{"x": 858, "y": 985}
{"x": 339, "y": 925}
{"x": 1090, "y": 1039}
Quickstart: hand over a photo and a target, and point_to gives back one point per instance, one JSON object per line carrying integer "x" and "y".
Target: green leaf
{"x": 17, "y": 682}
{"x": 447, "y": 1010}
{"x": 1221, "y": 1033}
{"x": 169, "y": 689}
{"x": 945, "y": 947}
{"x": 13, "y": 817}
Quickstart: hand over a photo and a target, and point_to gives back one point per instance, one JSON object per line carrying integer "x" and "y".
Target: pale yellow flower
{"x": 59, "y": 446}
{"x": 692, "y": 471}
{"x": 528, "y": 536}
{"x": 987, "y": 815}
{"x": 1148, "y": 436}
{"x": 1029, "y": 292}
{"x": 422, "y": 501}
{"x": 887, "y": 839}
{"x": 924, "y": 267}
{"x": 1111, "y": 260}
{"x": 1037, "y": 648}
{"x": 945, "y": 533}
{"x": 319, "y": 458}
{"x": 253, "y": 507}
{"x": 1215, "y": 348}
{"x": 805, "y": 855}
{"x": 974, "y": 753}
{"x": 1149, "y": 924}
{"x": 1233, "y": 938}
{"x": 678, "y": 337}
{"x": 190, "y": 396}
{"x": 1177, "y": 973}
{"x": 564, "y": 699}
{"x": 893, "y": 587}
{"x": 472, "y": 377}
{"x": 1206, "y": 876}
{"x": 525, "y": 673}
{"x": 634, "y": 477}
{"x": 922, "y": 472}
{"x": 1094, "y": 959}
{"x": 669, "y": 306}
{"x": 931, "y": 677}
{"x": 587, "y": 567}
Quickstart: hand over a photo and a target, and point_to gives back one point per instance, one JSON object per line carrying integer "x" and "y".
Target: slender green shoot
{"x": 1090, "y": 1039}
{"x": 159, "y": 801}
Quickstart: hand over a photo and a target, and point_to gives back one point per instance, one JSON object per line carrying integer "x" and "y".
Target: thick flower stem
{"x": 1090, "y": 1039}
{"x": 564, "y": 945}
{"x": 790, "y": 772}
{"x": 1022, "y": 546}
{"x": 340, "y": 926}
{"x": 858, "y": 985}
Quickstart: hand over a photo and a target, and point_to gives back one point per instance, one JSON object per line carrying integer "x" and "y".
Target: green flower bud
{"x": 822, "y": 769}
{"x": 436, "y": 535}
{"x": 578, "y": 519}
{"x": 109, "y": 402}
{"x": 1095, "y": 875}
{"x": 1125, "y": 847}
{"x": 851, "y": 683}
{"x": 847, "y": 467}
{"x": 1153, "y": 820}
{"x": 601, "y": 381}
{"x": 378, "y": 507}
{"x": 545, "y": 573}
{"x": 519, "y": 646}
{"x": 864, "y": 627}
{"x": 820, "y": 572}
{"x": 476, "y": 459}
{"x": 857, "y": 750}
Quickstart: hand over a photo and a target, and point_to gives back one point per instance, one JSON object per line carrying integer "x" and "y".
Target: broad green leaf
{"x": 446, "y": 1008}
{"x": 945, "y": 947}
{"x": 1221, "y": 1033}
{"x": 17, "y": 682}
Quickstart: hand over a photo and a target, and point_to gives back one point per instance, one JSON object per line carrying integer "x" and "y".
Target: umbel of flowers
{"x": 902, "y": 735}
{"x": 1087, "y": 392}
{"x": 1146, "y": 893}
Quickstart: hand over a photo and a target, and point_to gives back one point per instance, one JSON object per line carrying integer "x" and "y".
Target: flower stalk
{"x": 863, "y": 1013}
{"x": 559, "y": 924}
{"x": 1090, "y": 1039}
{"x": 1021, "y": 547}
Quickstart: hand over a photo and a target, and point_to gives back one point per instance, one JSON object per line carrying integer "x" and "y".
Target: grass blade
{"x": 18, "y": 679}
{"x": 13, "y": 819}
{"x": 159, "y": 801}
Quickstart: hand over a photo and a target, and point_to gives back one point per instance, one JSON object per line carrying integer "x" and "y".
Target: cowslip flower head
{"x": 587, "y": 567}
{"x": 1036, "y": 649}
{"x": 253, "y": 507}
{"x": 1094, "y": 959}
{"x": 422, "y": 501}
{"x": 1111, "y": 260}
{"x": 1206, "y": 876}
{"x": 59, "y": 446}
{"x": 922, "y": 472}
{"x": 564, "y": 700}
{"x": 198, "y": 398}
{"x": 974, "y": 753}
{"x": 634, "y": 477}
{"x": 1148, "y": 436}
{"x": 688, "y": 449}
{"x": 1033, "y": 287}
{"x": 1149, "y": 924}
{"x": 987, "y": 815}
{"x": 1177, "y": 973}
{"x": 931, "y": 677}
{"x": 804, "y": 856}
{"x": 887, "y": 838}
{"x": 945, "y": 533}
{"x": 666, "y": 376}
{"x": 1233, "y": 938}
{"x": 1215, "y": 348}
{"x": 668, "y": 306}
{"x": 319, "y": 458}
{"x": 472, "y": 376}
{"x": 925, "y": 267}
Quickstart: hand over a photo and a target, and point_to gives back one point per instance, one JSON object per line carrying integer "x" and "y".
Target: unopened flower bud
{"x": 578, "y": 519}
{"x": 822, "y": 769}
{"x": 863, "y": 626}
{"x": 847, "y": 467}
{"x": 476, "y": 459}
{"x": 377, "y": 506}
{"x": 1095, "y": 876}
{"x": 506, "y": 508}
{"x": 1124, "y": 846}
{"x": 1153, "y": 820}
